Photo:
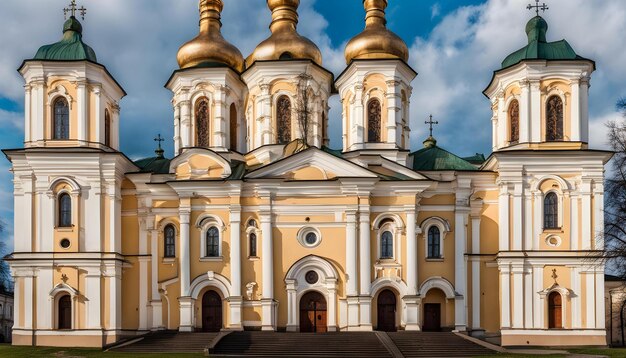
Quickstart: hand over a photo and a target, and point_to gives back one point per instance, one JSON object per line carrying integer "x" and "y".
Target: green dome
{"x": 433, "y": 158}
{"x": 539, "y": 48}
{"x": 70, "y": 48}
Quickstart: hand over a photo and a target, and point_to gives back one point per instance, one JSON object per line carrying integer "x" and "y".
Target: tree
{"x": 615, "y": 215}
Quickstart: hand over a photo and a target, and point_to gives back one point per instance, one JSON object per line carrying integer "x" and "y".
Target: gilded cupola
{"x": 376, "y": 41}
{"x": 285, "y": 42}
{"x": 210, "y": 47}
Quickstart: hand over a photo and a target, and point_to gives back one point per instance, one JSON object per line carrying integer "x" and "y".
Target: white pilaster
{"x": 590, "y": 296}
{"x": 587, "y": 234}
{"x": 525, "y": 123}
{"x": 460, "y": 270}
{"x": 528, "y": 297}
{"x": 599, "y": 298}
{"x": 143, "y": 293}
{"x": 574, "y": 222}
{"x": 598, "y": 217}
{"x": 503, "y": 218}
{"x": 155, "y": 297}
{"x": 115, "y": 296}
{"x": 351, "y": 254}
{"x": 518, "y": 296}
{"x": 505, "y": 309}
{"x": 184, "y": 252}
{"x": 538, "y": 218}
{"x": 268, "y": 319}
{"x": 27, "y": 113}
{"x": 576, "y": 298}
{"x": 93, "y": 215}
{"x": 476, "y": 270}
{"x": 411, "y": 255}
{"x": 235, "y": 300}
{"x": 575, "y": 111}
{"x": 177, "y": 129}
{"x": 518, "y": 216}
{"x": 185, "y": 122}
{"x": 538, "y": 308}
{"x": 535, "y": 110}
{"x": 93, "y": 294}
{"x": 44, "y": 286}
{"x": 81, "y": 105}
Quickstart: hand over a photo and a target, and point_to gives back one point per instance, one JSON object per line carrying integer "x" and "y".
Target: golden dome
{"x": 210, "y": 46}
{"x": 285, "y": 42}
{"x": 376, "y": 41}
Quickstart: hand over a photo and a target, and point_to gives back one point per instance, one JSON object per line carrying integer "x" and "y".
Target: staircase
{"x": 436, "y": 344}
{"x": 271, "y": 344}
{"x": 170, "y": 342}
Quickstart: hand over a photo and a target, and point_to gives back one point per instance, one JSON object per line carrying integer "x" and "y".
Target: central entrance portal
{"x": 313, "y": 313}
{"x": 432, "y": 317}
{"x": 211, "y": 312}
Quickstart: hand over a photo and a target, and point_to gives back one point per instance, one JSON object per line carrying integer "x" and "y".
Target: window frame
{"x": 279, "y": 127}
{"x": 60, "y": 211}
{"x": 430, "y": 244}
{"x": 369, "y": 120}
{"x": 212, "y": 250}
{"x": 165, "y": 241}
{"x": 55, "y": 118}
{"x": 557, "y": 211}
{"x": 383, "y": 247}
{"x": 513, "y": 139}
{"x": 197, "y": 137}
{"x": 204, "y": 223}
{"x": 549, "y": 97}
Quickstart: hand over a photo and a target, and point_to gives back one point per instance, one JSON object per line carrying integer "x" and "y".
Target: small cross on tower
{"x": 73, "y": 8}
{"x": 159, "y": 151}
{"x": 543, "y": 7}
{"x": 430, "y": 123}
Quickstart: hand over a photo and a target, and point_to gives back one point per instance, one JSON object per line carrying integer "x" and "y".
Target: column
{"x": 219, "y": 130}
{"x": 460, "y": 270}
{"x": 538, "y": 218}
{"x": 38, "y": 108}
{"x": 518, "y": 216}
{"x": 525, "y": 124}
{"x": 27, "y": 300}
{"x": 576, "y": 298}
{"x": 503, "y": 217}
{"x": 494, "y": 133}
{"x": 115, "y": 296}
{"x": 518, "y": 296}
{"x": 184, "y": 214}
{"x": 599, "y": 297}
{"x": 43, "y": 300}
{"x": 528, "y": 220}
{"x": 411, "y": 300}
{"x": 267, "y": 260}
{"x": 392, "y": 113}
{"x": 535, "y": 111}
{"x": 93, "y": 295}
{"x": 185, "y": 122}
{"x": 590, "y": 296}
{"x": 345, "y": 110}
{"x": 143, "y": 292}
{"x": 575, "y": 111}
{"x": 505, "y": 284}
{"x": 503, "y": 136}
{"x": 155, "y": 297}
{"x": 46, "y": 221}
{"x": 235, "y": 300}
{"x": 574, "y": 222}
{"x": 598, "y": 217}
{"x": 538, "y": 307}
{"x": 587, "y": 234}
{"x": 93, "y": 214}
{"x": 115, "y": 224}
{"x": 332, "y": 311}
{"x": 351, "y": 271}
{"x": 81, "y": 106}
{"x": 292, "y": 306}
{"x": 267, "y": 135}
{"x": 528, "y": 296}
{"x": 176, "y": 129}
{"x": 476, "y": 270}
{"x": 584, "y": 109}
{"x": 98, "y": 121}
{"x": 365, "y": 268}
{"x": 357, "y": 127}
{"x": 27, "y": 118}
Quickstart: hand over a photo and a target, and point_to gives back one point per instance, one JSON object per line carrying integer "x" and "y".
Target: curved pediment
{"x": 199, "y": 163}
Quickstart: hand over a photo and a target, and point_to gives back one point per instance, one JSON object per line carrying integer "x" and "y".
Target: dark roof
{"x": 432, "y": 158}
{"x": 156, "y": 165}
{"x": 612, "y": 278}
{"x": 539, "y": 48}
{"x": 476, "y": 159}
{"x": 70, "y": 48}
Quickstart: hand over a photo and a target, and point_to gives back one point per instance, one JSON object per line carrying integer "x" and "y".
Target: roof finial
{"x": 73, "y": 8}
{"x": 543, "y": 7}
{"x": 431, "y": 122}
{"x": 159, "y": 152}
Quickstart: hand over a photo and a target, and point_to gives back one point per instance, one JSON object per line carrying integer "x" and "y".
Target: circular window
{"x": 311, "y": 238}
{"x": 553, "y": 241}
{"x": 65, "y": 243}
{"x": 311, "y": 277}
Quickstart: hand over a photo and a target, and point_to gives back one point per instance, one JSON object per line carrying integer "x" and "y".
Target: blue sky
{"x": 454, "y": 46}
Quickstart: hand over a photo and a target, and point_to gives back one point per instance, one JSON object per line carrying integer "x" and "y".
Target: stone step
{"x": 170, "y": 342}
{"x": 436, "y": 344}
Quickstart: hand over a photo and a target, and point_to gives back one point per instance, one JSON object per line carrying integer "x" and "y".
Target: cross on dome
{"x": 431, "y": 123}
{"x": 159, "y": 151}
{"x": 543, "y": 7}
{"x": 73, "y": 8}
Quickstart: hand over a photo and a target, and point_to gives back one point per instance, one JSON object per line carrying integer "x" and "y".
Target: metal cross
{"x": 159, "y": 139}
{"x": 543, "y": 7}
{"x": 73, "y": 8}
{"x": 431, "y": 122}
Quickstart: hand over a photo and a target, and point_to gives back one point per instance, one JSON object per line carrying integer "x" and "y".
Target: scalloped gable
{"x": 315, "y": 162}
{"x": 200, "y": 163}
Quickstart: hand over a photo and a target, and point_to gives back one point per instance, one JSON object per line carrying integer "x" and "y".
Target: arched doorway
{"x": 65, "y": 312}
{"x": 211, "y": 312}
{"x": 555, "y": 310}
{"x": 313, "y": 313}
{"x": 386, "y": 311}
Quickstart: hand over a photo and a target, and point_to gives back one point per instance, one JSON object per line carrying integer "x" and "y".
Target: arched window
{"x": 434, "y": 242}
{"x": 233, "y": 127}
{"x": 213, "y": 242}
{"x": 386, "y": 245}
{"x": 551, "y": 211}
{"x": 169, "y": 234}
{"x": 283, "y": 119}
{"x": 554, "y": 119}
{"x": 555, "y": 319}
{"x": 514, "y": 121}
{"x": 107, "y": 128}
{"x": 202, "y": 122}
{"x": 252, "y": 245}
{"x": 373, "y": 121}
{"x": 61, "y": 120}
{"x": 65, "y": 210}
{"x": 64, "y": 311}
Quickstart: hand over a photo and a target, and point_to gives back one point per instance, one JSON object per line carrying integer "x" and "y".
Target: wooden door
{"x": 555, "y": 311}
{"x": 432, "y": 317}
{"x": 313, "y": 313}
{"x": 65, "y": 312}
{"x": 211, "y": 312}
{"x": 386, "y": 311}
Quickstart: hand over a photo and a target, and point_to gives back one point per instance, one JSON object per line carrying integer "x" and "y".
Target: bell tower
{"x": 375, "y": 89}
{"x": 540, "y": 95}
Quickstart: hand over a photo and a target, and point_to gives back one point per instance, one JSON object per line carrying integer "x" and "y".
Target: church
{"x": 256, "y": 224}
